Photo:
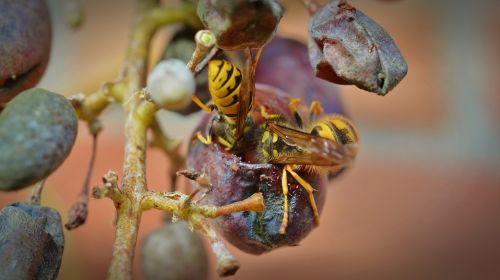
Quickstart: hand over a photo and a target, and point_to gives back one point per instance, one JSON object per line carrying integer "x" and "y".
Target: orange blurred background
{"x": 421, "y": 202}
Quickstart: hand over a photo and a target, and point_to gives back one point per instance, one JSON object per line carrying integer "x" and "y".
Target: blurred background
{"x": 421, "y": 202}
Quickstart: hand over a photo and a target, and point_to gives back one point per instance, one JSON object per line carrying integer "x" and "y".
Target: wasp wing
{"x": 309, "y": 149}
{"x": 247, "y": 94}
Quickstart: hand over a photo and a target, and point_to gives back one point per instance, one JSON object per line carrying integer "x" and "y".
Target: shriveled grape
{"x": 31, "y": 242}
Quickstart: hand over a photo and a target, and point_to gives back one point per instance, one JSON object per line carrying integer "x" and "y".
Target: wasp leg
{"x": 309, "y": 189}
{"x": 284, "y": 186}
{"x": 267, "y": 116}
{"x": 207, "y": 108}
{"x": 225, "y": 143}
{"x": 292, "y": 105}
{"x": 208, "y": 139}
{"x": 315, "y": 110}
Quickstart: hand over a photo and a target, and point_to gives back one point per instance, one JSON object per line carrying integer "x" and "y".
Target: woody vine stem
{"x": 133, "y": 197}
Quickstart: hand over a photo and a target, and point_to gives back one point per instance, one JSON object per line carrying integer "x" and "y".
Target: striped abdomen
{"x": 224, "y": 84}
{"x": 336, "y": 128}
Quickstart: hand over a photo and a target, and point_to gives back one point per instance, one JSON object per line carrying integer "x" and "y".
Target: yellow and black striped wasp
{"x": 317, "y": 144}
{"x": 232, "y": 93}
{"x": 322, "y": 144}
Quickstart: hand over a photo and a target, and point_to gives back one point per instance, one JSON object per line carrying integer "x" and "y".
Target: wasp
{"x": 315, "y": 144}
{"x": 233, "y": 93}
{"x": 321, "y": 144}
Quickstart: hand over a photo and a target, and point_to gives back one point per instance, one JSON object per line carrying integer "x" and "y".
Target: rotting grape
{"x": 31, "y": 242}
{"x": 234, "y": 178}
{"x": 347, "y": 47}
{"x": 38, "y": 129}
{"x": 25, "y": 36}
{"x": 174, "y": 252}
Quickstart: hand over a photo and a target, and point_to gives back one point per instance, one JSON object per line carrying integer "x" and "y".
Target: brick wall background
{"x": 423, "y": 198}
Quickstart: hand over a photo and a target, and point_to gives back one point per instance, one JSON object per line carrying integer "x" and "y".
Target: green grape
{"x": 38, "y": 129}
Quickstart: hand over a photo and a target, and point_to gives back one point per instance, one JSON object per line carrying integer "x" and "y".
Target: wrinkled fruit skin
{"x": 25, "y": 36}
{"x": 234, "y": 179}
{"x": 347, "y": 47}
{"x": 31, "y": 242}
{"x": 240, "y": 24}
{"x": 284, "y": 64}
{"x": 38, "y": 129}
{"x": 173, "y": 252}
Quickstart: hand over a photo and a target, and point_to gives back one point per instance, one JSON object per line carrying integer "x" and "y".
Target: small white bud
{"x": 171, "y": 84}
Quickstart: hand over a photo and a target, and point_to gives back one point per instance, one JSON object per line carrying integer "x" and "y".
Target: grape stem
{"x": 139, "y": 116}
{"x": 77, "y": 215}
{"x": 132, "y": 197}
{"x": 36, "y": 193}
{"x": 204, "y": 40}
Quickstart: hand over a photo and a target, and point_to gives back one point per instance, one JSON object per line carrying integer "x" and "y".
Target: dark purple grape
{"x": 284, "y": 64}
{"x": 25, "y": 36}
{"x": 38, "y": 129}
{"x": 31, "y": 242}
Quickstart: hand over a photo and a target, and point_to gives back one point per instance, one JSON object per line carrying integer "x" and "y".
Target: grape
{"x": 31, "y": 242}
{"x": 182, "y": 46}
{"x": 240, "y": 24}
{"x": 284, "y": 64}
{"x": 38, "y": 129}
{"x": 174, "y": 252}
{"x": 236, "y": 178}
{"x": 171, "y": 84}
{"x": 347, "y": 47}
{"x": 25, "y": 36}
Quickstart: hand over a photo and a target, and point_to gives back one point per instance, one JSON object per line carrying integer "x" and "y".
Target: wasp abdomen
{"x": 224, "y": 83}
